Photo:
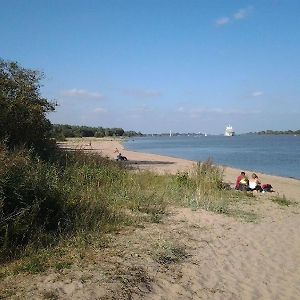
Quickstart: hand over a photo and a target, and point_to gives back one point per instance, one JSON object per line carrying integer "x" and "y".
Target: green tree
{"x": 23, "y": 121}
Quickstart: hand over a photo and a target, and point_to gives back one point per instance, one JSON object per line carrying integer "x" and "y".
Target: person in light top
{"x": 254, "y": 183}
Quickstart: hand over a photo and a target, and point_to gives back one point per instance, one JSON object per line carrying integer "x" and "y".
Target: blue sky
{"x": 160, "y": 65}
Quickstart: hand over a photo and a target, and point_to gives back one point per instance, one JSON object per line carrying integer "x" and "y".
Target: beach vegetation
{"x": 83, "y": 195}
{"x": 282, "y": 200}
{"x": 169, "y": 252}
{"x": 53, "y": 201}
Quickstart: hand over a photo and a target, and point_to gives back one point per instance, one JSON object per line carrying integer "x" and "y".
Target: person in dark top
{"x": 121, "y": 157}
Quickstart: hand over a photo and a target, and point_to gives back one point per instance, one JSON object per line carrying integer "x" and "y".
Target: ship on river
{"x": 229, "y": 131}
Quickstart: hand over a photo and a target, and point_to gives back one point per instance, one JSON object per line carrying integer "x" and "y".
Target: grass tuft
{"x": 282, "y": 200}
{"x": 169, "y": 253}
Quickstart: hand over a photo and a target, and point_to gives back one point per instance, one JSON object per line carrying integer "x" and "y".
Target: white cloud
{"x": 257, "y": 93}
{"x": 99, "y": 110}
{"x": 180, "y": 109}
{"x": 222, "y": 21}
{"x": 80, "y": 93}
{"x": 141, "y": 93}
{"x": 239, "y": 15}
{"x": 242, "y": 13}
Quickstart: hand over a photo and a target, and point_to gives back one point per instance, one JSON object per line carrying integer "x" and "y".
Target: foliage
{"x": 23, "y": 121}
{"x": 30, "y": 200}
{"x": 41, "y": 202}
{"x": 278, "y": 132}
{"x": 62, "y": 131}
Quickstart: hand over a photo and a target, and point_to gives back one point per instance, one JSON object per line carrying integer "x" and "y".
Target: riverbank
{"x": 189, "y": 253}
{"x": 163, "y": 164}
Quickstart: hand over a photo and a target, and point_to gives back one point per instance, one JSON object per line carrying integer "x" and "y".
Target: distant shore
{"x": 108, "y": 147}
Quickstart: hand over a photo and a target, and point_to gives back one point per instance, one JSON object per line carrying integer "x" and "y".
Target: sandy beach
{"x": 220, "y": 257}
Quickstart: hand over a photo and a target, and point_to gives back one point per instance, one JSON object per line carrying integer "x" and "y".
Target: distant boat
{"x": 229, "y": 131}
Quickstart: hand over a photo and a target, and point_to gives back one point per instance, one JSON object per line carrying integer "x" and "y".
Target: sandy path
{"x": 230, "y": 260}
{"x": 225, "y": 259}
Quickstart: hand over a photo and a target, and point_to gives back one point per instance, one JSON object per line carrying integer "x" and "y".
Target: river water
{"x": 270, "y": 154}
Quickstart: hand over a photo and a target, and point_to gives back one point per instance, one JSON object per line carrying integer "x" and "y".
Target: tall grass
{"x": 40, "y": 202}
{"x": 78, "y": 194}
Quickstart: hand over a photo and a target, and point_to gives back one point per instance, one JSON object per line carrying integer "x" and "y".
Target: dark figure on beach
{"x": 121, "y": 157}
{"x": 242, "y": 182}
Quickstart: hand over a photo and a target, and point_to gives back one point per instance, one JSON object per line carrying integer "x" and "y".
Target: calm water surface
{"x": 276, "y": 155}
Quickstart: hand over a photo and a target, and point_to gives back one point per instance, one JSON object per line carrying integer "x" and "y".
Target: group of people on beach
{"x": 252, "y": 184}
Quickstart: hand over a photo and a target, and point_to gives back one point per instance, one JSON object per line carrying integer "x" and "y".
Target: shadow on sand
{"x": 149, "y": 162}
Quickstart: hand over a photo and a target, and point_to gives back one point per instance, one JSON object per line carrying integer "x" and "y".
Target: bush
{"x": 40, "y": 201}
{"x": 23, "y": 121}
{"x": 30, "y": 200}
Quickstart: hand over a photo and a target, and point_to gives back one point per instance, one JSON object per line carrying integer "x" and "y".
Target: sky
{"x": 160, "y": 65}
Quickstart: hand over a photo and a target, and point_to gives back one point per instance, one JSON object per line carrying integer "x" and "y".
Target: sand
{"x": 222, "y": 257}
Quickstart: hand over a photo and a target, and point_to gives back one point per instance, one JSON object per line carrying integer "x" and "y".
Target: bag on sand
{"x": 267, "y": 187}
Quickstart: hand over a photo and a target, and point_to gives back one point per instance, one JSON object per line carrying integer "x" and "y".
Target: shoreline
{"x": 287, "y": 186}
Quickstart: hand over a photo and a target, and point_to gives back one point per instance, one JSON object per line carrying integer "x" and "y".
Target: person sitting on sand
{"x": 121, "y": 157}
{"x": 254, "y": 183}
{"x": 116, "y": 150}
{"x": 242, "y": 182}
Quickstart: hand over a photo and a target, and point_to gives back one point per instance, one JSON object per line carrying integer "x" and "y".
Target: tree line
{"x": 63, "y": 131}
{"x": 278, "y": 132}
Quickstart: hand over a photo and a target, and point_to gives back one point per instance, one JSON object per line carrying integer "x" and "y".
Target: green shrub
{"x": 30, "y": 200}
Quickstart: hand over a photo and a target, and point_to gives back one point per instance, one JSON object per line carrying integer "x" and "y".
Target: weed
{"x": 247, "y": 216}
{"x": 33, "y": 265}
{"x": 50, "y": 295}
{"x": 169, "y": 253}
{"x": 282, "y": 201}
{"x": 62, "y": 265}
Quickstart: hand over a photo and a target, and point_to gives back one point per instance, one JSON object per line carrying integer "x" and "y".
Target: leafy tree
{"x": 109, "y": 132}
{"x": 23, "y": 121}
{"x": 118, "y": 131}
{"x": 100, "y": 132}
